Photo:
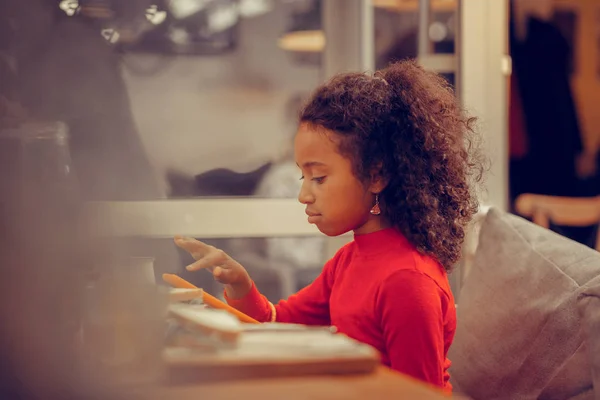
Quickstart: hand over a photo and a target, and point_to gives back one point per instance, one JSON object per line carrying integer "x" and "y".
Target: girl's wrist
{"x": 238, "y": 290}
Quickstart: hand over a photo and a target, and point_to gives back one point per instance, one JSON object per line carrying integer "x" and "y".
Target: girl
{"x": 388, "y": 157}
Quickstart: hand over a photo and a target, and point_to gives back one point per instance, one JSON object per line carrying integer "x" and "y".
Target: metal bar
{"x": 367, "y": 34}
{"x": 349, "y": 36}
{"x": 458, "y": 48}
{"x": 423, "y": 42}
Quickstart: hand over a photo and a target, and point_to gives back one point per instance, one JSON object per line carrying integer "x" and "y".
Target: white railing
{"x": 233, "y": 218}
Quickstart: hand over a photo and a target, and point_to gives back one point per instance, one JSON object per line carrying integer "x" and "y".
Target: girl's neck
{"x": 374, "y": 223}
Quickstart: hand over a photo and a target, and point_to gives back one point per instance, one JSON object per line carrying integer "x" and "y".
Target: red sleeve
{"x": 310, "y": 306}
{"x": 409, "y": 305}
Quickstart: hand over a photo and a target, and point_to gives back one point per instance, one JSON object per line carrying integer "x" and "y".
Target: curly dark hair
{"x": 408, "y": 123}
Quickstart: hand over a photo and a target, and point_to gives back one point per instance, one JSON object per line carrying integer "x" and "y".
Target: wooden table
{"x": 382, "y": 384}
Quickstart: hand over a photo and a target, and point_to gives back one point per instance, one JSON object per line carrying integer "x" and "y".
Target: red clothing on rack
{"x": 517, "y": 131}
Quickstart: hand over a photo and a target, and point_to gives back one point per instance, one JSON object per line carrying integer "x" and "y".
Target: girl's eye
{"x": 302, "y": 178}
{"x": 319, "y": 179}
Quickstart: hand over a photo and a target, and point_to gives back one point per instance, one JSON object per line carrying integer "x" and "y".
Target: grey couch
{"x": 528, "y": 316}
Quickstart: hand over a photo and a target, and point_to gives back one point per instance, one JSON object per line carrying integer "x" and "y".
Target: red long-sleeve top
{"x": 379, "y": 290}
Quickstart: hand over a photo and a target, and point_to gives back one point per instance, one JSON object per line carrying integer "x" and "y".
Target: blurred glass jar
{"x": 43, "y": 250}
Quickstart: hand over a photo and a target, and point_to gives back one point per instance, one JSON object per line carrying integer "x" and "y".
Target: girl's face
{"x": 336, "y": 201}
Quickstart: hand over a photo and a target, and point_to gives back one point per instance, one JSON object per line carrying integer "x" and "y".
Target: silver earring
{"x": 376, "y": 210}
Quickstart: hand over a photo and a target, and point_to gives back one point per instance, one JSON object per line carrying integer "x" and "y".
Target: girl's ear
{"x": 377, "y": 181}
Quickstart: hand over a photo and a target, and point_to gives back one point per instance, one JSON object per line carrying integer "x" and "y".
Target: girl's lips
{"x": 313, "y": 218}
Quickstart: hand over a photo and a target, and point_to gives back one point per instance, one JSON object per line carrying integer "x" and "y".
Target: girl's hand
{"x": 224, "y": 268}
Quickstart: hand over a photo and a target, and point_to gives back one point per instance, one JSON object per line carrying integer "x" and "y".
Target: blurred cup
{"x": 124, "y": 324}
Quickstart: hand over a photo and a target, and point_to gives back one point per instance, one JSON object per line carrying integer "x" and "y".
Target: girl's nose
{"x": 305, "y": 196}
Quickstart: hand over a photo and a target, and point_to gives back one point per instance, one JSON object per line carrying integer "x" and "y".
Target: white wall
{"x": 484, "y": 68}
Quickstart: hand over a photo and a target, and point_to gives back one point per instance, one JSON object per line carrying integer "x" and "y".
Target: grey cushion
{"x": 589, "y": 308}
{"x": 587, "y": 395}
{"x": 518, "y": 333}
